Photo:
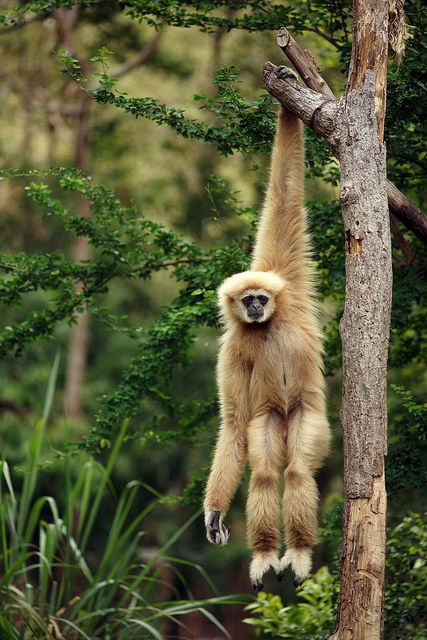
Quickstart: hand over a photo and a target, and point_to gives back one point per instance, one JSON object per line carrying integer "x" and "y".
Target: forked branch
{"x": 316, "y": 108}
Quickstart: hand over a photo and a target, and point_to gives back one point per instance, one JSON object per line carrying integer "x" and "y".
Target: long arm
{"x": 282, "y": 243}
{"x": 226, "y": 472}
{"x": 231, "y": 448}
{"x": 227, "y": 467}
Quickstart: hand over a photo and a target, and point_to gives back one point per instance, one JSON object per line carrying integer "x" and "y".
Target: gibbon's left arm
{"x": 282, "y": 243}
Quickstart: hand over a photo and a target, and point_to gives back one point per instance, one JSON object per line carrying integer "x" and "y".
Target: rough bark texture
{"x": 316, "y": 111}
{"x": 366, "y": 320}
{"x": 362, "y": 573}
{"x": 365, "y": 326}
{"x": 304, "y": 63}
{"x": 369, "y": 51}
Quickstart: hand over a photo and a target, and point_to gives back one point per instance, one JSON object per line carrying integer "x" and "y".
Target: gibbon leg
{"x": 307, "y": 445}
{"x": 227, "y": 469}
{"x": 266, "y": 454}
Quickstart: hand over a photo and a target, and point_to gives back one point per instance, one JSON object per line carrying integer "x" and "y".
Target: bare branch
{"x": 399, "y": 238}
{"x": 316, "y": 111}
{"x": 407, "y": 212}
{"x": 304, "y": 63}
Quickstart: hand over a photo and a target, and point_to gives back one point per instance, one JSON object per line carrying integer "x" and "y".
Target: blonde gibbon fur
{"x": 270, "y": 378}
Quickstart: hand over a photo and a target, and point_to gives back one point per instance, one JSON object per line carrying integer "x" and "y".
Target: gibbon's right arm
{"x": 231, "y": 448}
{"x": 282, "y": 243}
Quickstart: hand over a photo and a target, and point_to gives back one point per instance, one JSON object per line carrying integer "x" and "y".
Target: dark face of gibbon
{"x": 250, "y": 297}
{"x": 255, "y": 306}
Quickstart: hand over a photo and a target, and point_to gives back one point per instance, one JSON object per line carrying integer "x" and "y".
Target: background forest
{"x": 134, "y": 140}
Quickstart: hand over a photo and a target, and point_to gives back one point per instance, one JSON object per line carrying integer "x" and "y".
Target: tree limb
{"x": 140, "y": 59}
{"x": 304, "y": 63}
{"x": 407, "y": 212}
{"x": 399, "y": 205}
{"x": 406, "y": 249}
{"x": 316, "y": 111}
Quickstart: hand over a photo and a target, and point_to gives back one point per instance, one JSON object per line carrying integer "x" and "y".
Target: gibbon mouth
{"x": 255, "y": 315}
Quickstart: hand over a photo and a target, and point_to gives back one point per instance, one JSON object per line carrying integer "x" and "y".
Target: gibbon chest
{"x": 274, "y": 366}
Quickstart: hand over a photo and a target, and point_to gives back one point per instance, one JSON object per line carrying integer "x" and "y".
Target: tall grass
{"x": 53, "y": 585}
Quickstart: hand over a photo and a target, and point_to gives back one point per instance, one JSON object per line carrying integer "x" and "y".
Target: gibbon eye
{"x": 263, "y": 300}
{"x": 247, "y": 300}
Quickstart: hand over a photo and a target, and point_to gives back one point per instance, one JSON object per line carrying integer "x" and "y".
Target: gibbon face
{"x": 250, "y": 297}
{"x": 255, "y": 305}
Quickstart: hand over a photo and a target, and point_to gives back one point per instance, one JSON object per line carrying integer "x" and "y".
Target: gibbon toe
{"x": 257, "y": 585}
{"x": 260, "y": 564}
{"x": 216, "y": 531}
{"x": 300, "y": 561}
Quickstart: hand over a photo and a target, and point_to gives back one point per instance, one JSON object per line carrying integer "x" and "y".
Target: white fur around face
{"x": 261, "y": 563}
{"x": 300, "y": 561}
{"x": 235, "y": 288}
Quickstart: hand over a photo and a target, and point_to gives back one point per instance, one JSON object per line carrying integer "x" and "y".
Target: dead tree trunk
{"x": 365, "y": 326}
{"x": 353, "y": 127}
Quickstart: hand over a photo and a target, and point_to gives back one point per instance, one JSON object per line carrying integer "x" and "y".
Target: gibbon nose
{"x": 255, "y": 309}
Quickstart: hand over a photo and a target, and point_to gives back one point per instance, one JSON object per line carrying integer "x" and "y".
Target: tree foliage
{"x": 133, "y": 249}
{"x": 127, "y": 245}
{"x": 314, "y": 617}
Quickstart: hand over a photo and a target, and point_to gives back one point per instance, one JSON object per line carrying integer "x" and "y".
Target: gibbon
{"x": 270, "y": 377}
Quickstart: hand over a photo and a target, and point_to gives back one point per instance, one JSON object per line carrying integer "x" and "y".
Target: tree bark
{"x": 365, "y": 326}
{"x": 364, "y": 332}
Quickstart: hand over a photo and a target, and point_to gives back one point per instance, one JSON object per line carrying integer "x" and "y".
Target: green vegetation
{"x": 51, "y": 585}
{"x": 314, "y": 617}
{"x": 126, "y": 196}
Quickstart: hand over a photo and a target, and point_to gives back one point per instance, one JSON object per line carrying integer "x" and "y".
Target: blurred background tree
{"x": 134, "y": 143}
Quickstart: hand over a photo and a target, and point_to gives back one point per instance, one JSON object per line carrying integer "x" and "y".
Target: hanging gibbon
{"x": 270, "y": 378}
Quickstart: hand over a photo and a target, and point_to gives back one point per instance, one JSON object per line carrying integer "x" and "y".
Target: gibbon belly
{"x": 275, "y": 382}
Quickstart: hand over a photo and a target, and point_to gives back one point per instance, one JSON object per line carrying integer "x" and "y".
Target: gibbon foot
{"x": 300, "y": 561}
{"x": 260, "y": 564}
{"x": 216, "y": 531}
{"x": 257, "y": 585}
{"x": 285, "y": 72}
